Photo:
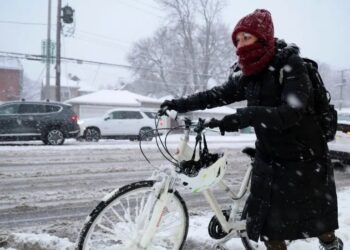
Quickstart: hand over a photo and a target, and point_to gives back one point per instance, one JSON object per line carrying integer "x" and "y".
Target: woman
{"x": 293, "y": 192}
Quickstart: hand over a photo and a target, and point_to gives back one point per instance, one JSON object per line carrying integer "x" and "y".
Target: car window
{"x": 9, "y": 109}
{"x": 52, "y": 108}
{"x": 151, "y": 114}
{"x": 116, "y": 115}
{"x": 26, "y": 108}
{"x": 126, "y": 115}
{"x": 132, "y": 115}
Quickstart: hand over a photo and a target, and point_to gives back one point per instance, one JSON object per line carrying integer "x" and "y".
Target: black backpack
{"x": 324, "y": 112}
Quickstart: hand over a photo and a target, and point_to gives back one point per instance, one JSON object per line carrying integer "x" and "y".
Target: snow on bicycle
{"x": 151, "y": 214}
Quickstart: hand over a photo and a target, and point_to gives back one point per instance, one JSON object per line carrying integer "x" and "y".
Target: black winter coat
{"x": 292, "y": 191}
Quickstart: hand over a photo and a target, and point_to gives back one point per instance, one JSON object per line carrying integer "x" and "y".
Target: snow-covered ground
{"x": 198, "y": 238}
{"x": 47, "y": 191}
{"x": 341, "y": 142}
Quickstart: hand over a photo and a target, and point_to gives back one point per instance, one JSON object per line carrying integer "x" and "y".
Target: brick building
{"x": 11, "y": 79}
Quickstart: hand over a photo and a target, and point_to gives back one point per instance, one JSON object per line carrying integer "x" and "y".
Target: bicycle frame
{"x": 166, "y": 182}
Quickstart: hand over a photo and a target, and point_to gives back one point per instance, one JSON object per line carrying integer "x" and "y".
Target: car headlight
{"x": 80, "y": 122}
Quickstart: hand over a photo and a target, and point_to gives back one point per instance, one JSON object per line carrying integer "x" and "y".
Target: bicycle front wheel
{"x": 117, "y": 224}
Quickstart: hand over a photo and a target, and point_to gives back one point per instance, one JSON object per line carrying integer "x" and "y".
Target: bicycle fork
{"x": 153, "y": 212}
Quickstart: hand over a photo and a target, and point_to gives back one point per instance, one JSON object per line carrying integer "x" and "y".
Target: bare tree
{"x": 30, "y": 90}
{"x": 191, "y": 48}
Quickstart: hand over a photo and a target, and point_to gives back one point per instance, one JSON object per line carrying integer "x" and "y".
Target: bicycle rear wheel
{"x": 116, "y": 223}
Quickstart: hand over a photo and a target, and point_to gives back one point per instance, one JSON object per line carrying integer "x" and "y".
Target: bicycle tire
{"x": 103, "y": 208}
{"x": 248, "y": 244}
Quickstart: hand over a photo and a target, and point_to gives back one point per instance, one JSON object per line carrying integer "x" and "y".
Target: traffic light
{"x": 68, "y": 13}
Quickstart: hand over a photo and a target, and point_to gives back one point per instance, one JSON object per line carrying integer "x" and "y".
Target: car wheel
{"x": 54, "y": 137}
{"x": 145, "y": 134}
{"x": 92, "y": 134}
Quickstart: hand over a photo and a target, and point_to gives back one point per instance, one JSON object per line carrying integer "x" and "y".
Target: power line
{"x": 103, "y": 37}
{"x": 23, "y": 23}
{"x": 149, "y": 5}
{"x": 109, "y": 64}
{"x": 110, "y": 42}
{"x": 141, "y": 9}
{"x": 101, "y": 43}
{"x": 35, "y": 57}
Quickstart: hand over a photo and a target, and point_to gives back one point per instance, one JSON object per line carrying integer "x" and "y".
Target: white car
{"x": 120, "y": 123}
{"x": 340, "y": 147}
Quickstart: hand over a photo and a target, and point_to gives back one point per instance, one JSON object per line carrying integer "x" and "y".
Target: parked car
{"x": 51, "y": 122}
{"x": 344, "y": 122}
{"x": 120, "y": 123}
{"x": 340, "y": 147}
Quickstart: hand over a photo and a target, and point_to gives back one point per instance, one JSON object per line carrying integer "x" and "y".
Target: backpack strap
{"x": 280, "y": 77}
{"x": 310, "y": 66}
{"x": 199, "y": 143}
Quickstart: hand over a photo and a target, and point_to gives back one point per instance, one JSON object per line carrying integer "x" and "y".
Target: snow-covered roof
{"x": 10, "y": 63}
{"x": 85, "y": 88}
{"x": 217, "y": 110}
{"x": 113, "y": 97}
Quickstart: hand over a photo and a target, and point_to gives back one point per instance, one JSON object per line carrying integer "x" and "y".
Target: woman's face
{"x": 245, "y": 39}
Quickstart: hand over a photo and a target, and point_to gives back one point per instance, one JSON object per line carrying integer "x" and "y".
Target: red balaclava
{"x": 255, "y": 57}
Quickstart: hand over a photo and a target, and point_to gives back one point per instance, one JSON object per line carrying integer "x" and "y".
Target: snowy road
{"x": 52, "y": 189}
{"x": 41, "y": 186}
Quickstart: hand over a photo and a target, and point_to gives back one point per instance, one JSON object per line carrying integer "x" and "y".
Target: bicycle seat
{"x": 249, "y": 151}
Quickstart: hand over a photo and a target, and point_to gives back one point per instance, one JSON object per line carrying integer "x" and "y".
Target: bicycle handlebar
{"x": 172, "y": 114}
{"x": 199, "y": 127}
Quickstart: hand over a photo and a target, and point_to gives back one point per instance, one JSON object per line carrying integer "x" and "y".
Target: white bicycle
{"x": 152, "y": 215}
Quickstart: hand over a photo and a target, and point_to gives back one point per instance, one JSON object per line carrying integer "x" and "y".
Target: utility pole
{"x": 67, "y": 17}
{"x": 341, "y": 86}
{"x": 58, "y": 52}
{"x": 48, "y": 52}
{"x": 341, "y": 90}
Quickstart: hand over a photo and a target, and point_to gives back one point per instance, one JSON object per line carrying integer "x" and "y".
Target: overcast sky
{"x": 106, "y": 29}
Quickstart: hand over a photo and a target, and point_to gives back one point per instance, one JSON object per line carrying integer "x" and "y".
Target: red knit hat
{"x": 258, "y": 23}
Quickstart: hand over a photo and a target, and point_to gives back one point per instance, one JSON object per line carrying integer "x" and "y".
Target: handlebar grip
{"x": 172, "y": 114}
{"x": 206, "y": 125}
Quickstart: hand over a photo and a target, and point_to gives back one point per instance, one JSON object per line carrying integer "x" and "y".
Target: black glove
{"x": 167, "y": 105}
{"x": 214, "y": 123}
{"x": 229, "y": 123}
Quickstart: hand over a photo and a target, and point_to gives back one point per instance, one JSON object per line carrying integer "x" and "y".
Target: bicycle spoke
{"x": 142, "y": 204}
{"x": 139, "y": 205}
{"x": 110, "y": 236}
{"x": 168, "y": 220}
{"x": 122, "y": 222}
{"x": 105, "y": 228}
{"x": 117, "y": 214}
{"x": 126, "y": 213}
{"x": 108, "y": 220}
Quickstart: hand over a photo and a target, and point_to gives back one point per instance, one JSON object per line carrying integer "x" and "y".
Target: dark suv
{"x": 50, "y": 122}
